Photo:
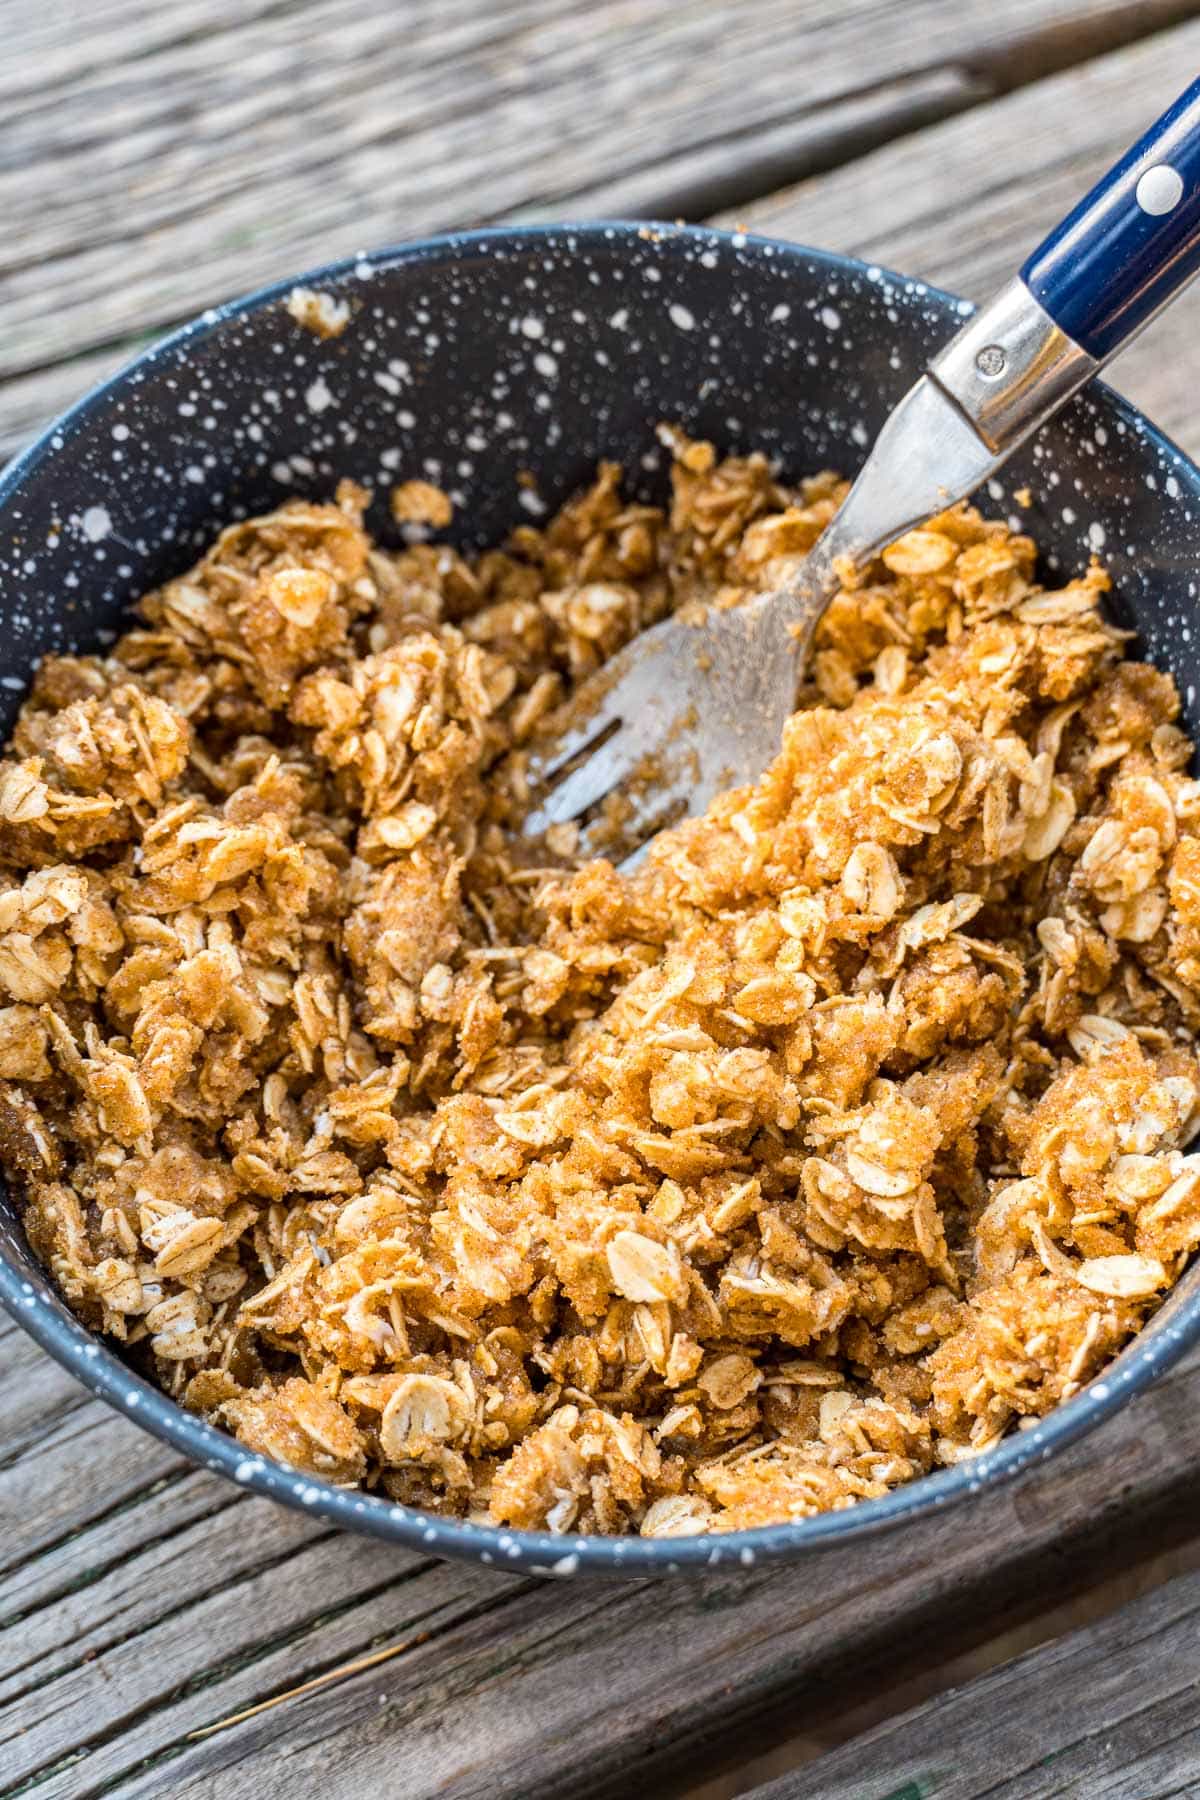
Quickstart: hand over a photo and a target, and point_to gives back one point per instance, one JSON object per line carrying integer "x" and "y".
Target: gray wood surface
{"x": 1110, "y": 1712}
{"x": 150, "y": 167}
{"x": 962, "y": 203}
{"x": 147, "y": 1617}
{"x": 153, "y": 160}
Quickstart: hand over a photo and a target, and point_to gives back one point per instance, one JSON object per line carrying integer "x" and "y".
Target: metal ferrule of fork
{"x": 1010, "y": 367}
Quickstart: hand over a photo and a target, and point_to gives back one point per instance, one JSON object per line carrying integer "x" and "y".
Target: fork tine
{"x": 544, "y": 765}
{"x": 615, "y": 759}
{"x": 601, "y": 703}
{"x": 650, "y": 812}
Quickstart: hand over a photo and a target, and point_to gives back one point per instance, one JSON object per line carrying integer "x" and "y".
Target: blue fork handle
{"x": 1131, "y": 243}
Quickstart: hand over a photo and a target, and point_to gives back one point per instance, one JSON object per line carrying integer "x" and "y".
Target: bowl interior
{"x": 478, "y": 361}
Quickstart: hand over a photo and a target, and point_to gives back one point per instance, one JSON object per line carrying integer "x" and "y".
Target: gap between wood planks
{"x": 654, "y": 109}
{"x": 657, "y": 1675}
{"x": 521, "y": 1634}
{"x": 943, "y": 205}
{"x": 885, "y": 1712}
{"x": 1107, "y": 1709}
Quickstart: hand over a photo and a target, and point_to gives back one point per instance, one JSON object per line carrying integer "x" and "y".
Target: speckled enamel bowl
{"x": 469, "y": 359}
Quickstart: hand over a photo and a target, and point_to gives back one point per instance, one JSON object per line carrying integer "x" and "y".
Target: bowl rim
{"x": 40, "y": 1311}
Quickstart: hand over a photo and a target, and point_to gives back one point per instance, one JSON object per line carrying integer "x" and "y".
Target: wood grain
{"x": 963, "y": 202}
{"x": 1107, "y": 1713}
{"x": 174, "y": 169}
{"x": 142, "y": 1600}
{"x": 514, "y": 1687}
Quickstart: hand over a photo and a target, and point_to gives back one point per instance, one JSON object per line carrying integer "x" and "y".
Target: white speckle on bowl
{"x": 545, "y": 364}
{"x": 780, "y": 313}
{"x": 1096, "y": 535}
{"x": 830, "y": 318}
{"x": 566, "y": 1565}
{"x": 318, "y": 395}
{"x": 96, "y": 524}
{"x": 532, "y": 327}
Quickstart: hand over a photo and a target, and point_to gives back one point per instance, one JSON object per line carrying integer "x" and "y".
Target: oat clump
{"x": 324, "y": 315}
{"x": 843, "y": 1136}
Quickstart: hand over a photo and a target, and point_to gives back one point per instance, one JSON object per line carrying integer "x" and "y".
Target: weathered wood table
{"x": 164, "y": 1634}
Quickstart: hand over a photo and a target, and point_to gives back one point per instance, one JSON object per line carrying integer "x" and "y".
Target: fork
{"x": 691, "y": 707}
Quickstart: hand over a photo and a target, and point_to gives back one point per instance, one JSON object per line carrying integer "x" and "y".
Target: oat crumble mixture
{"x": 839, "y": 1139}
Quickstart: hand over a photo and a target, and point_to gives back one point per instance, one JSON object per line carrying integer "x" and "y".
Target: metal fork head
{"x": 685, "y": 711}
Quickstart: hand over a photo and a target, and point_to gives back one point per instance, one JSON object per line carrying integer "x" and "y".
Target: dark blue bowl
{"x": 470, "y": 359}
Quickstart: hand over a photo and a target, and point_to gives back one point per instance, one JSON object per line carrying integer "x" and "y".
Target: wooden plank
{"x": 148, "y": 1637}
{"x": 963, "y": 202}
{"x": 88, "y": 1462}
{"x": 160, "y": 1509}
{"x": 542, "y": 1688}
{"x": 54, "y": 44}
{"x": 325, "y": 1606}
{"x": 37, "y": 1392}
{"x": 1107, "y": 1713}
{"x": 148, "y": 1599}
{"x": 360, "y": 128}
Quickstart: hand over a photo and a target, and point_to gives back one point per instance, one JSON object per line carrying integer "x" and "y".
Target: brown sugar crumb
{"x": 322, "y": 314}
{"x": 421, "y": 503}
{"x": 841, "y": 1137}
